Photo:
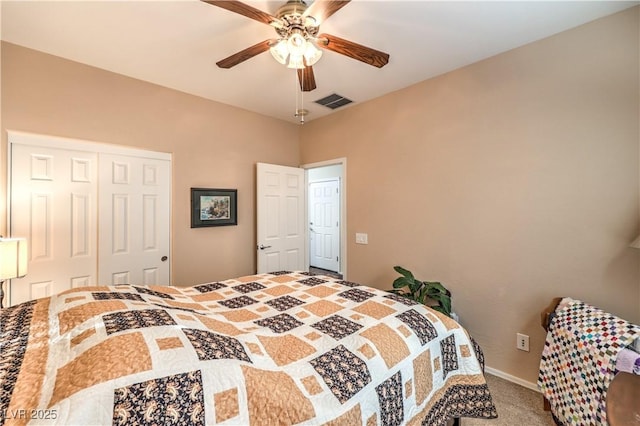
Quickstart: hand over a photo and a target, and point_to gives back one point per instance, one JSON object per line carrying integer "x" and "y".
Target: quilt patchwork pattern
{"x": 356, "y": 295}
{"x": 343, "y": 372}
{"x": 390, "y": 400}
{"x": 205, "y": 288}
{"x": 249, "y": 287}
{"x": 14, "y": 332}
{"x": 449, "y": 356}
{"x": 400, "y": 299}
{"x": 280, "y": 323}
{"x": 578, "y": 360}
{"x": 153, "y": 292}
{"x": 238, "y": 302}
{"x": 337, "y": 326}
{"x": 210, "y": 345}
{"x": 129, "y": 320}
{"x": 283, "y": 303}
{"x": 282, "y": 348}
{"x": 175, "y": 400}
{"x": 121, "y": 296}
{"x": 420, "y": 325}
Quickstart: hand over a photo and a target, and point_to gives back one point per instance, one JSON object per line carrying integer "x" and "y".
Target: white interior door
{"x": 134, "y": 220}
{"x": 280, "y": 209}
{"x": 324, "y": 224}
{"x": 53, "y": 204}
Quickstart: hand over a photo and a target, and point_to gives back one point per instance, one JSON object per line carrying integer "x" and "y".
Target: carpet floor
{"x": 516, "y": 405}
{"x": 320, "y": 271}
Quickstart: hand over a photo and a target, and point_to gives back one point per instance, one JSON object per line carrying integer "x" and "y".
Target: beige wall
{"x": 213, "y": 145}
{"x": 512, "y": 181}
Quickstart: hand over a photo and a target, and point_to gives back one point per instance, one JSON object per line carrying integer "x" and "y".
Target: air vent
{"x": 334, "y": 101}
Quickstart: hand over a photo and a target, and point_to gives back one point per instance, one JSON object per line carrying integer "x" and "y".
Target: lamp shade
{"x": 280, "y": 51}
{"x": 13, "y": 258}
{"x": 312, "y": 54}
{"x": 636, "y": 243}
{"x": 296, "y": 61}
{"x": 296, "y": 44}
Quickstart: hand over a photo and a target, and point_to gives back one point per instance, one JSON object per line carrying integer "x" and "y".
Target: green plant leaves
{"x": 445, "y": 303}
{"x": 438, "y": 286}
{"x": 422, "y": 291}
{"x": 402, "y": 282}
{"x": 414, "y": 287}
{"x": 404, "y": 272}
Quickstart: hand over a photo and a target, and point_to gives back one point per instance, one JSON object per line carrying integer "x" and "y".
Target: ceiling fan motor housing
{"x": 292, "y": 7}
{"x": 292, "y": 20}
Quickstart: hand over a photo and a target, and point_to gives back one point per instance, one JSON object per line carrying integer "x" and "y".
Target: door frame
{"x": 343, "y": 209}
{"x": 59, "y": 142}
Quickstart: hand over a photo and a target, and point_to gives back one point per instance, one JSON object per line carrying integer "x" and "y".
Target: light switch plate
{"x": 362, "y": 238}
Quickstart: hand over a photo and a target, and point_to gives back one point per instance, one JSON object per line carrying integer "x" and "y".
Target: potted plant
{"x": 430, "y": 293}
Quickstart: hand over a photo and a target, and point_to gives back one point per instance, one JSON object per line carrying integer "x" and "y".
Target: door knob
{"x": 261, "y": 247}
{"x": 164, "y": 258}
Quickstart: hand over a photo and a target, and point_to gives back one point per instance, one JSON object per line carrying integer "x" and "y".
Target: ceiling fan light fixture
{"x": 296, "y": 61}
{"x": 311, "y": 53}
{"x": 296, "y": 44}
{"x": 279, "y": 51}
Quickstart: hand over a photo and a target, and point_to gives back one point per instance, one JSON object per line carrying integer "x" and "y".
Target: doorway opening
{"x": 326, "y": 217}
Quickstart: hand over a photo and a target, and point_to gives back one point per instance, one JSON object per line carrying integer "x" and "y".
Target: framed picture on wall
{"x": 213, "y": 207}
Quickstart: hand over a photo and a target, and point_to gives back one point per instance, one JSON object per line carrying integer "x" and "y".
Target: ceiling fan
{"x": 297, "y": 26}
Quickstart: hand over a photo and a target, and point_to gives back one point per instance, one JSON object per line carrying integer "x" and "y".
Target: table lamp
{"x": 13, "y": 261}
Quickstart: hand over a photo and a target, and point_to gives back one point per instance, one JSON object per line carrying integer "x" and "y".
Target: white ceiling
{"x": 177, "y": 43}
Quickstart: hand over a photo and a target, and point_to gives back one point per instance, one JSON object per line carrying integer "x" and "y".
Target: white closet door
{"x": 53, "y": 205}
{"x": 134, "y": 220}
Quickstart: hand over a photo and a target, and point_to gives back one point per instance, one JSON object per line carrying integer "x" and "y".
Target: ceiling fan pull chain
{"x": 295, "y": 87}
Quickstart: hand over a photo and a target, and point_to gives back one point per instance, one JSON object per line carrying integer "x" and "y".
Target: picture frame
{"x": 213, "y": 207}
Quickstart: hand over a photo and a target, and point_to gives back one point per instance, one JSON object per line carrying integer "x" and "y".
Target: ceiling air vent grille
{"x": 334, "y": 101}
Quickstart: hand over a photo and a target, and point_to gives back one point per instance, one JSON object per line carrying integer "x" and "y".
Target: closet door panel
{"x": 134, "y": 220}
{"x": 53, "y": 204}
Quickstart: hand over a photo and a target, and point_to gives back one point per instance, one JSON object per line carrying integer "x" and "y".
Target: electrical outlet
{"x": 522, "y": 342}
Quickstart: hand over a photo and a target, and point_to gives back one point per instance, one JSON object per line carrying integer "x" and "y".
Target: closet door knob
{"x": 164, "y": 258}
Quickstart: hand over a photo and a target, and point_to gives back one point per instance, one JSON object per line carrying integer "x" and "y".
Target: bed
{"x": 280, "y": 348}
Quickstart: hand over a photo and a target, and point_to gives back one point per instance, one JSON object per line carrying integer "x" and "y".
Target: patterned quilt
{"x": 579, "y": 361}
{"x": 281, "y": 348}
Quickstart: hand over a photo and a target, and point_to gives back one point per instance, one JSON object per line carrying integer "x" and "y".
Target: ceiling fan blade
{"x": 353, "y": 50}
{"x": 323, "y": 9}
{"x": 307, "y": 79}
{"x": 244, "y": 10}
{"x": 245, "y": 54}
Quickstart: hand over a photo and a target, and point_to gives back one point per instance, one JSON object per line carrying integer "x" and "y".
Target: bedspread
{"x": 280, "y": 348}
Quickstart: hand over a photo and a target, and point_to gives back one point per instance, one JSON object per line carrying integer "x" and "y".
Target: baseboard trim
{"x": 510, "y": 378}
